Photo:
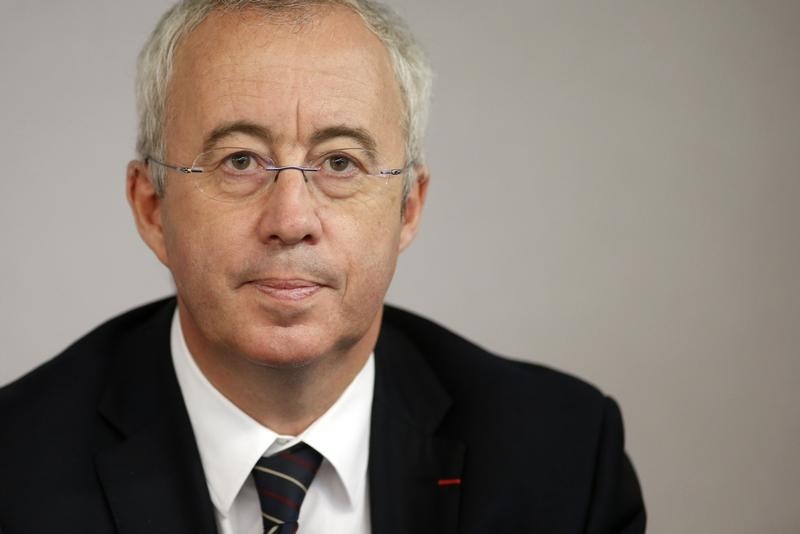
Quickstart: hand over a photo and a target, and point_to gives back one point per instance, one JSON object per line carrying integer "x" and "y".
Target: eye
{"x": 240, "y": 162}
{"x": 340, "y": 164}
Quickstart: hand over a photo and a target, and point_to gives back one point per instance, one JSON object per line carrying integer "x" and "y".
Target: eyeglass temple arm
{"x": 396, "y": 172}
{"x": 184, "y": 170}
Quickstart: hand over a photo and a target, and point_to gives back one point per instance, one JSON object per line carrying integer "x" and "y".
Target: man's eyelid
{"x": 360, "y": 156}
{"x": 263, "y": 158}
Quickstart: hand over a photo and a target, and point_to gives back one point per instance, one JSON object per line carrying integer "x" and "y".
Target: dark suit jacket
{"x": 98, "y": 441}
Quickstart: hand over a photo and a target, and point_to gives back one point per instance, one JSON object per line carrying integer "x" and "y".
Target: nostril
{"x": 288, "y": 240}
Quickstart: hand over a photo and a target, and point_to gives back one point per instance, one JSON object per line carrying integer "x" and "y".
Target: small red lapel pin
{"x": 449, "y": 482}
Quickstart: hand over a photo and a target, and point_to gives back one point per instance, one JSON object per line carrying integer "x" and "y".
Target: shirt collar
{"x": 230, "y": 441}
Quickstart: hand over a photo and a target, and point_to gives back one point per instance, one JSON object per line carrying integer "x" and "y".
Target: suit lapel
{"x": 414, "y": 475}
{"x": 151, "y": 469}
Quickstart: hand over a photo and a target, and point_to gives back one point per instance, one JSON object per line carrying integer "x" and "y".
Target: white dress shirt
{"x": 230, "y": 443}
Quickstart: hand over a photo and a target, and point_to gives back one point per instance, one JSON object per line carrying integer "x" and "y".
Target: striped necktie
{"x": 282, "y": 481}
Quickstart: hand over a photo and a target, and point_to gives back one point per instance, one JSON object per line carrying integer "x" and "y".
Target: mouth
{"x": 290, "y": 290}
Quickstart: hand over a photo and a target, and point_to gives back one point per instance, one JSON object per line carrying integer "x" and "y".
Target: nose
{"x": 289, "y": 212}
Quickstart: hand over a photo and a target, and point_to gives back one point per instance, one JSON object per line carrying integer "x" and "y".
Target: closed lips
{"x": 287, "y": 289}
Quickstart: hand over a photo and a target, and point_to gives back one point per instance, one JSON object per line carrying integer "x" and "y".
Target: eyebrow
{"x": 360, "y": 135}
{"x": 224, "y": 130}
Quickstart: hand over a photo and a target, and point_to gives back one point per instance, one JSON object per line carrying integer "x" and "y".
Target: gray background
{"x": 616, "y": 193}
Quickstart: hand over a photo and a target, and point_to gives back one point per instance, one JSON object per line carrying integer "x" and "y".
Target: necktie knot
{"x": 282, "y": 481}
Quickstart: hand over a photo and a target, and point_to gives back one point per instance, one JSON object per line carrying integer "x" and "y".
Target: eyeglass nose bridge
{"x": 303, "y": 170}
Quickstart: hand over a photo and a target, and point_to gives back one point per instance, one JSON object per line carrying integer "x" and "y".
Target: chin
{"x": 273, "y": 361}
{"x": 290, "y": 347}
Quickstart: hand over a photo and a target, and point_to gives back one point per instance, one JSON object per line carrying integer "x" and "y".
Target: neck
{"x": 284, "y": 399}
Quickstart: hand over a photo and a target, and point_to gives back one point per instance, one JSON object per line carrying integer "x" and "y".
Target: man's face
{"x": 289, "y": 276}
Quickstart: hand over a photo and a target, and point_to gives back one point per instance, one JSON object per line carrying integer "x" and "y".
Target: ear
{"x": 412, "y": 212}
{"x": 146, "y": 206}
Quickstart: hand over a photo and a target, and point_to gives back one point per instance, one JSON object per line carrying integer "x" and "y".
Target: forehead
{"x": 293, "y": 72}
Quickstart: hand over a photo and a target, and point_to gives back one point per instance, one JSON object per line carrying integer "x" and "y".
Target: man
{"x": 280, "y": 177}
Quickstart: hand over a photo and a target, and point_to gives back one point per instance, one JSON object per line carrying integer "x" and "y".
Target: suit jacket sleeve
{"x": 617, "y": 506}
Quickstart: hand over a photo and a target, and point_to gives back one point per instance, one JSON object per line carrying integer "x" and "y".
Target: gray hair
{"x": 156, "y": 59}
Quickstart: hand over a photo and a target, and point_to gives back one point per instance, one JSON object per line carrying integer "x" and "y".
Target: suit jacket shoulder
{"x": 78, "y": 371}
{"x": 546, "y": 448}
{"x": 460, "y": 364}
{"x": 98, "y": 440}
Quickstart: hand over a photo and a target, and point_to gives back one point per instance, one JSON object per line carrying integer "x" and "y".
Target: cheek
{"x": 370, "y": 243}
{"x": 197, "y": 246}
